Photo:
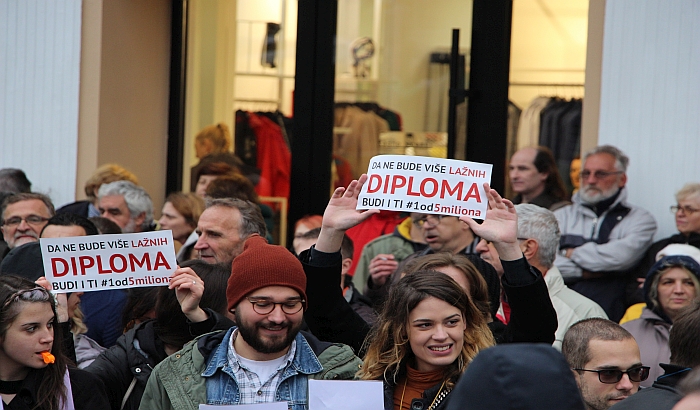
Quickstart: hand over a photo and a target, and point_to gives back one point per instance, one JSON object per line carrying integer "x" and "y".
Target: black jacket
{"x": 135, "y": 355}
{"x": 88, "y": 391}
{"x": 662, "y": 395}
{"x": 432, "y": 396}
{"x": 517, "y": 376}
{"x": 331, "y": 318}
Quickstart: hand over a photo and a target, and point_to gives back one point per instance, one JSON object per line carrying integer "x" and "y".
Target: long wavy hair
{"x": 389, "y": 349}
{"x": 51, "y": 391}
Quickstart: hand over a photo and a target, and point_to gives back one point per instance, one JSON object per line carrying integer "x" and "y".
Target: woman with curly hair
{"x": 427, "y": 334}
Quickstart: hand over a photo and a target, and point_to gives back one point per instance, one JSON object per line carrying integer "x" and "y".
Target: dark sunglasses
{"x": 612, "y": 376}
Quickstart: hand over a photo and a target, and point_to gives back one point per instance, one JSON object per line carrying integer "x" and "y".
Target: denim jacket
{"x": 187, "y": 378}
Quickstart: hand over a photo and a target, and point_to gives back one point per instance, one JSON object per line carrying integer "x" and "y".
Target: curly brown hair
{"x": 389, "y": 350}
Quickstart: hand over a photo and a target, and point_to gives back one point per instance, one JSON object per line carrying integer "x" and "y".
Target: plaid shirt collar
{"x": 251, "y": 388}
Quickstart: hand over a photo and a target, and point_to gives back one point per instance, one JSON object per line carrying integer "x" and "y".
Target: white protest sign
{"x": 346, "y": 395}
{"x": 278, "y": 405}
{"x": 101, "y": 262}
{"x": 427, "y": 185}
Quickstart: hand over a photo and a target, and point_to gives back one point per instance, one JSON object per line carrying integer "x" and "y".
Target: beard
{"x": 251, "y": 335}
{"x": 592, "y": 196}
{"x": 130, "y": 227}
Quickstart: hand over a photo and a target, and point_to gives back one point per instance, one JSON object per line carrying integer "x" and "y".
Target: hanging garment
{"x": 274, "y": 158}
{"x": 361, "y": 143}
{"x": 529, "y": 125}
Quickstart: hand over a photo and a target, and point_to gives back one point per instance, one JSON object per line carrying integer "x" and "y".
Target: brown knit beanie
{"x": 261, "y": 265}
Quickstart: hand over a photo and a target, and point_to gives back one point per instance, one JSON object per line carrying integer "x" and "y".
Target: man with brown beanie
{"x": 265, "y": 358}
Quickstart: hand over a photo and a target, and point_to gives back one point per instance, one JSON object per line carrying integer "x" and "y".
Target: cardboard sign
{"x": 346, "y": 395}
{"x": 102, "y": 262}
{"x": 426, "y": 185}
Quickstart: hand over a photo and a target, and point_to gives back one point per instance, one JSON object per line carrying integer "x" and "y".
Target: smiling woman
{"x": 427, "y": 334}
{"x": 27, "y": 335}
{"x": 671, "y": 285}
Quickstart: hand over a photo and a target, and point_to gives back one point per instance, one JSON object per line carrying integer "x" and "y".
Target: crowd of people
{"x": 553, "y": 301}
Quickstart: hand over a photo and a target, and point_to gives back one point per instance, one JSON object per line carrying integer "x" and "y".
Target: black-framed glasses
{"x": 37, "y": 294}
{"x": 432, "y": 218}
{"x": 598, "y": 174}
{"x": 33, "y": 220}
{"x": 612, "y": 376}
{"x": 686, "y": 209}
{"x": 265, "y": 306}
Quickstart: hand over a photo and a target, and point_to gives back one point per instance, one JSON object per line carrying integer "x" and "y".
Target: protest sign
{"x": 101, "y": 262}
{"x": 346, "y": 395}
{"x": 427, "y": 185}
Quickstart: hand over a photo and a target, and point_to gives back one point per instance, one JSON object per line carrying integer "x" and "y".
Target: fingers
{"x": 184, "y": 277}
{"x": 44, "y": 283}
{"x": 354, "y": 188}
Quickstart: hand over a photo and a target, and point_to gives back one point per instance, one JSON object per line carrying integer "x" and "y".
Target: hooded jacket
{"x": 135, "y": 355}
{"x": 518, "y": 377}
{"x": 653, "y": 327}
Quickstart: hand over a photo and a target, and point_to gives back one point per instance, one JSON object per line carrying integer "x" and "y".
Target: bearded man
{"x": 264, "y": 358}
{"x": 602, "y": 236}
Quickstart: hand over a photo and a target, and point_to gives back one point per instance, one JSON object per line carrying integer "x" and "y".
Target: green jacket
{"x": 177, "y": 383}
{"x": 398, "y": 243}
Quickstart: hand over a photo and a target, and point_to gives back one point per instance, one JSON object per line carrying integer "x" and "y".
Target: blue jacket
{"x": 180, "y": 381}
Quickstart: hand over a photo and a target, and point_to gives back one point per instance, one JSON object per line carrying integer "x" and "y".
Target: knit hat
{"x": 261, "y": 265}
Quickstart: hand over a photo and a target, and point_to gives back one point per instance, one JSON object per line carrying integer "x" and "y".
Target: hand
{"x": 188, "y": 289}
{"x": 640, "y": 281}
{"x": 341, "y": 215}
{"x": 61, "y": 300}
{"x": 499, "y": 227}
{"x": 381, "y": 267}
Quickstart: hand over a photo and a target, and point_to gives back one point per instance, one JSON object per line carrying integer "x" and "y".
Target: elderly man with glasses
{"x": 24, "y": 215}
{"x": 605, "y": 360}
{"x": 603, "y": 237}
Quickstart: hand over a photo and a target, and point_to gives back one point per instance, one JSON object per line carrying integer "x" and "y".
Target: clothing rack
{"x": 519, "y": 84}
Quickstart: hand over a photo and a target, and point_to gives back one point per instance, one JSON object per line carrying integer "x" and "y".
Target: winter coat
{"x": 135, "y": 355}
{"x": 571, "y": 306}
{"x": 398, "y": 243}
{"x": 177, "y": 382}
{"x": 609, "y": 245}
{"x": 517, "y": 376}
{"x": 653, "y": 327}
{"x": 433, "y": 396}
{"x": 651, "y": 333}
{"x": 88, "y": 391}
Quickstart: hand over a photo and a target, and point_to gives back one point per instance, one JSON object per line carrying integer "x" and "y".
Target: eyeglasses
{"x": 37, "y": 294}
{"x": 33, "y": 220}
{"x": 612, "y": 376}
{"x": 598, "y": 174}
{"x": 686, "y": 209}
{"x": 433, "y": 219}
{"x": 265, "y": 307}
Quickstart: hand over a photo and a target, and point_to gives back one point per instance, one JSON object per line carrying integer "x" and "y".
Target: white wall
{"x": 650, "y": 96}
{"x": 39, "y": 88}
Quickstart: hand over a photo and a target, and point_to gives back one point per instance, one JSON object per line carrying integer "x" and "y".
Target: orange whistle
{"x": 48, "y": 357}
